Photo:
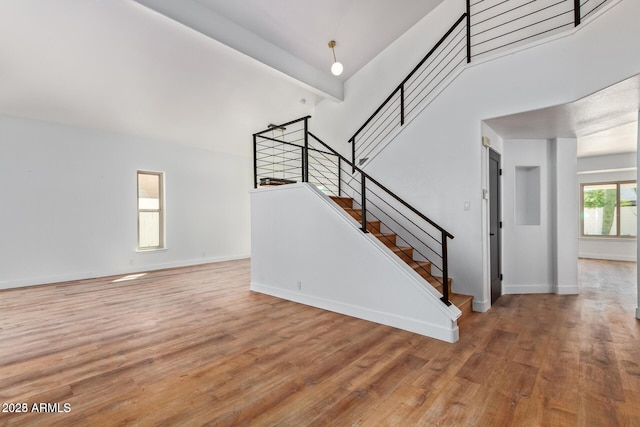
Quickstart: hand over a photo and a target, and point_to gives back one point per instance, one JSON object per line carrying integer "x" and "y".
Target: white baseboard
{"x": 638, "y": 313}
{"x": 389, "y": 319}
{"x": 567, "y": 290}
{"x": 84, "y": 275}
{"x": 608, "y": 257}
{"x": 527, "y": 289}
{"x": 481, "y": 306}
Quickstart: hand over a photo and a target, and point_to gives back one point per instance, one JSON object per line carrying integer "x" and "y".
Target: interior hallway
{"x": 192, "y": 346}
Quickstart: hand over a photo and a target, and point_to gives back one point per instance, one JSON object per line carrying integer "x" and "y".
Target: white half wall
{"x": 69, "y": 203}
{"x": 307, "y": 249}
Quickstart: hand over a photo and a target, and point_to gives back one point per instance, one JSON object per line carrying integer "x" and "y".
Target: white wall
{"x": 598, "y": 169}
{"x": 565, "y": 163}
{"x": 528, "y": 249}
{"x": 436, "y": 162}
{"x": 69, "y": 203}
{"x": 637, "y": 248}
{"x": 541, "y": 250}
{"x": 307, "y": 249}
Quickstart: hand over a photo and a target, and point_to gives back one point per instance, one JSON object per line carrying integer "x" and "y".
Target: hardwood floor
{"x": 194, "y": 346}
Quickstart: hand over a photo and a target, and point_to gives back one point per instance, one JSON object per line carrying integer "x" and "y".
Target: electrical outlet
{"x": 467, "y": 206}
{"x": 299, "y": 283}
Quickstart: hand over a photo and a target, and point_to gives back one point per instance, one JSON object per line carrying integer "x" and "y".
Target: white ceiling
{"x": 120, "y": 66}
{"x": 603, "y": 123}
{"x": 361, "y": 28}
{"x": 208, "y": 73}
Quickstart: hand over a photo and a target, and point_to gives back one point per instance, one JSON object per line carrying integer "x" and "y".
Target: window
{"x": 150, "y": 210}
{"x": 609, "y": 209}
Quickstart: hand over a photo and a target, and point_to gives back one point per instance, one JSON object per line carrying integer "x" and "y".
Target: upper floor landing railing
{"x": 486, "y": 28}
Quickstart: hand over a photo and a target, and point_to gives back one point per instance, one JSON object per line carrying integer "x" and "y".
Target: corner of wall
{"x": 481, "y": 306}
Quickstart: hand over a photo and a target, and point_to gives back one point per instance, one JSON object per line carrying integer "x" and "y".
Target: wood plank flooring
{"x": 193, "y": 346}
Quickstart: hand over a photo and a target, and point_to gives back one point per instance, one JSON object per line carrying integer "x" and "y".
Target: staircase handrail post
{"x": 339, "y": 176}
{"x": 353, "y": 154}
{"x": 402, "y": 104}
{"x": 305, "y": 170}
{"x": 576, "y": 12}
{"x": 469, "y": 31}
{"x": 255, "y": 161}
{"x": 445, "y": 270}
{"x": 364, "y": 202}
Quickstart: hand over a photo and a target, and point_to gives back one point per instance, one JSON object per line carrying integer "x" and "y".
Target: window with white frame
{"x": 150, "y": 210}
{"x": 608, "y": 209}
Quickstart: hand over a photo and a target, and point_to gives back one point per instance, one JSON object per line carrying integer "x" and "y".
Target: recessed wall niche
{"x": 528, "y": 195}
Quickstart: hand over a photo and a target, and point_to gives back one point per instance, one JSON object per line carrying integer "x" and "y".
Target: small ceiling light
{"x": 337, "y": 67}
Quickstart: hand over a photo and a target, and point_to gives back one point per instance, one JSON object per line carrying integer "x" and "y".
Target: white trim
{"x": 449, "y": 335}
{"x": 608, "y": 257}
{"x": 481, "y": 306}
{"x": 638, "y": 313}
{"x": 567, "y": 290}
{"x": 527, "y": 289}
{"x": 46, "y": 280}
{"x": 607, "y": 171}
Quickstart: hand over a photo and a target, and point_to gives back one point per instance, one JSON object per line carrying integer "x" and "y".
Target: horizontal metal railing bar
{"x": 395, "y": 231}
{"x": 291, "y": 144}
{"x": 366, "y": 143}
{"x": 409, "y": 95}
{"x": 320, "y": 173}
{"x": 369, "y": 199}
{"x": 277, "y": 140}
{"x": 513, "y": 9}
{"x": 281, "y": 149}
{"x": 489, "y": 8}
{"x": 516, "y": 19}
{"x": 435, "y": 65}
{"x": 437, "y": 45}
{"x": 408, "y": 219}
{"x": 522, "y": 39}
{"x": 527, "y": 26}
{"x": 282, "y": 125}
{"x": 434, "y": 48}
{"x": 386, "y": 224}
{"x": 385, "y": 189}
{"x": 280, "y": 157}
{"x": 594, "y": 9}
{"x": 416, "y": 104}
{"x": 394, "y": 124}
{"x": 281, "y": 170}
{"x": 382, "y": 115}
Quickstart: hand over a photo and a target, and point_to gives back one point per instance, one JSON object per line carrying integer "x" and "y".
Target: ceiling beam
{"x": 202, "y": 19}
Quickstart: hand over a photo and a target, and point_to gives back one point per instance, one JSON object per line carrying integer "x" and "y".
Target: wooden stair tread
{"x": 463, "y": 302}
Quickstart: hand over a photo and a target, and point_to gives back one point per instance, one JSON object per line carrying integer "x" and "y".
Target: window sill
{"x": 608, "y": 239}
{"x": 151, "y": 250}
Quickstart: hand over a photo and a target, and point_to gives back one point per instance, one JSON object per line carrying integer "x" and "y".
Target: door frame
{"x": 495, "y": 193}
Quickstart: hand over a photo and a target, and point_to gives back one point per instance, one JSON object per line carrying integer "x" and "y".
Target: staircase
{"x": 406, "y": 254}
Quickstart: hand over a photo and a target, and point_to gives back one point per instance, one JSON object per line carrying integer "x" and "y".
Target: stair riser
{"x": 373, "y": 227}
{"x": 406, "y": 256}
{"x": 344, "y": 202}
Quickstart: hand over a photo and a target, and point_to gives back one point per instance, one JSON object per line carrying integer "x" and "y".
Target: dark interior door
{"x": 495, "y": 224}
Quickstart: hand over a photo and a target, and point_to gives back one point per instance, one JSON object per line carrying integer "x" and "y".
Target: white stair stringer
{"x": 307, "y": 249}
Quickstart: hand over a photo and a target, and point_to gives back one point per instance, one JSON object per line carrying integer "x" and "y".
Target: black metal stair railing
{"x": 487, "y": 27}
{"x": 289, "y": 153}
{"x": 422, "y": 83}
